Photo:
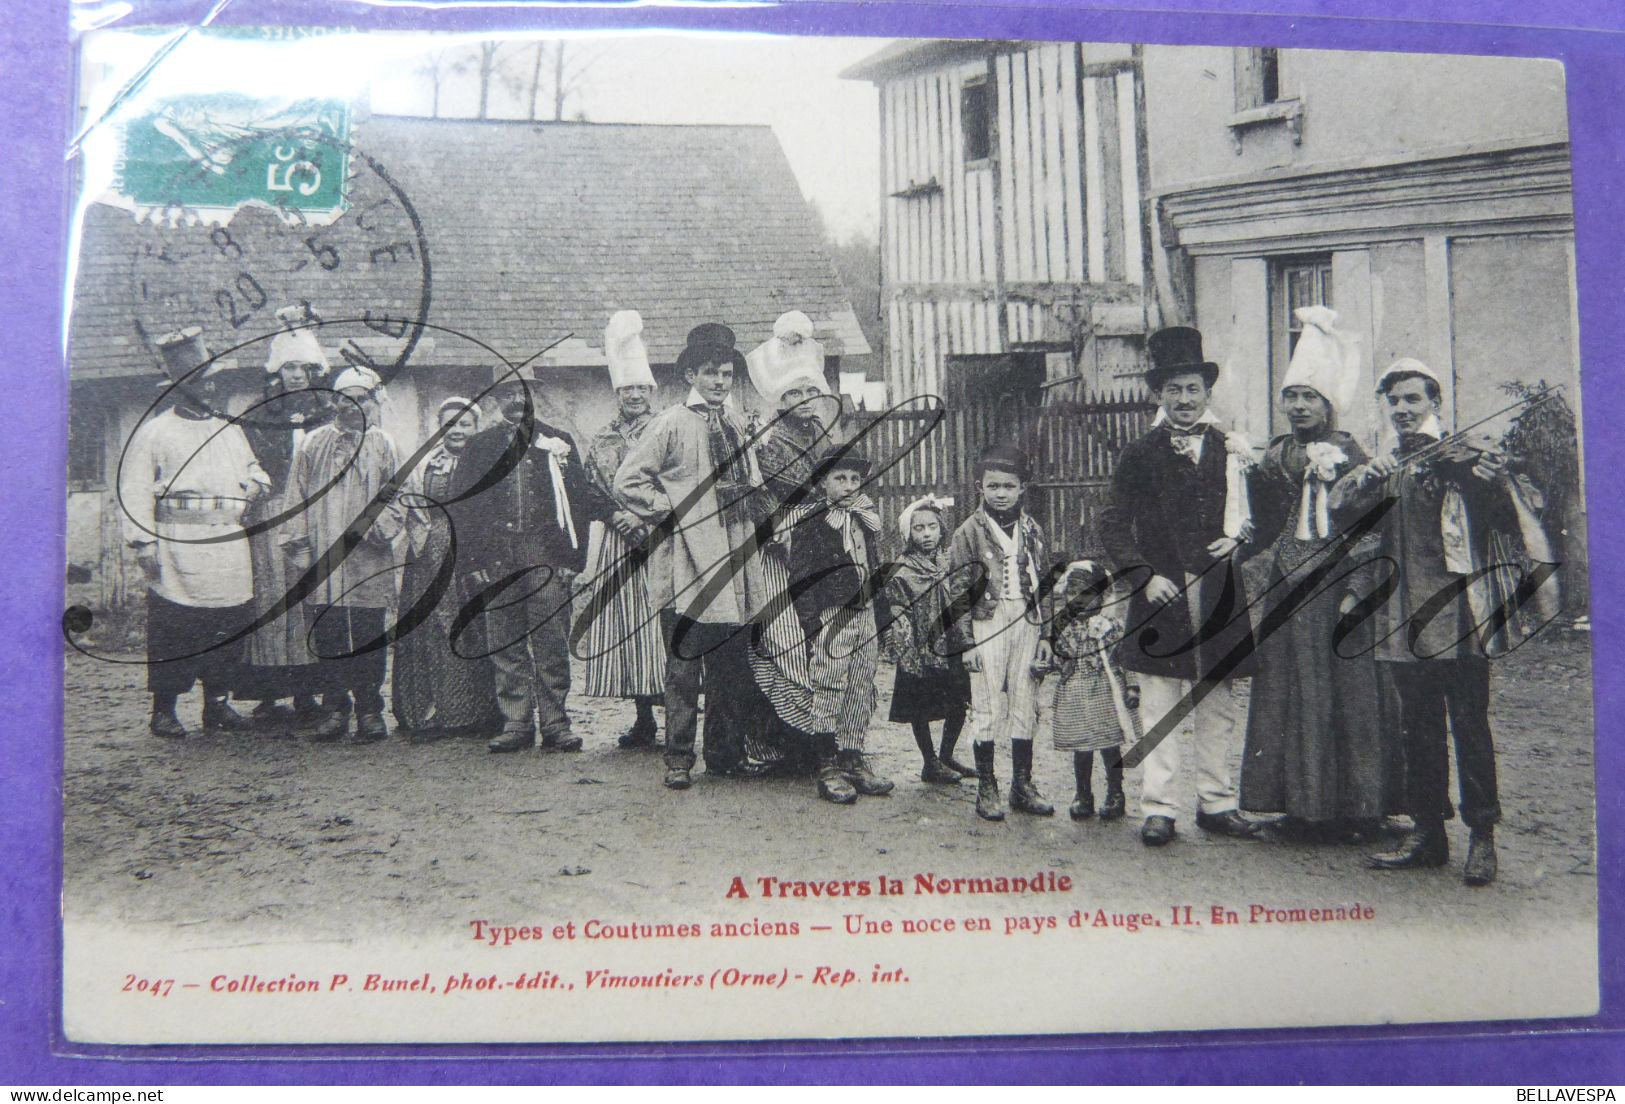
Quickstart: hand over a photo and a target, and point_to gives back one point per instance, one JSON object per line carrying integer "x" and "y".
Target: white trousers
{"x": 1003, "y": 694}
{"x": 1211, "y": 728}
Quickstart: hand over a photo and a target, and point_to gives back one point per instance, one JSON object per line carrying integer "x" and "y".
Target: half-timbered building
{"x": 1014, "y": 234}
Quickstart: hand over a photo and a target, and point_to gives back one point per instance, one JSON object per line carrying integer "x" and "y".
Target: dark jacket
{"x": 1412, "y": 539}
{"x": 513, "y": 523}
{"x": 823, "y": 575}
{"x": 1161, "y": 514}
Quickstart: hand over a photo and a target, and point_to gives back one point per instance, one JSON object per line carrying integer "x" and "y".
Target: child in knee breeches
{"x": 995, "y": 562}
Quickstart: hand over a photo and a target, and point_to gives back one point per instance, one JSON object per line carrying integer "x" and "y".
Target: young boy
{"x": 995, "y": 561}
{"x": 833, "y": 557}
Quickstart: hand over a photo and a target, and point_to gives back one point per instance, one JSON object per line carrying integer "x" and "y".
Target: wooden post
{"x": 1000, "y": 298}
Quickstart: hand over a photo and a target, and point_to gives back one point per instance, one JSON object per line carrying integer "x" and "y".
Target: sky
{"x": 829, "y": 128}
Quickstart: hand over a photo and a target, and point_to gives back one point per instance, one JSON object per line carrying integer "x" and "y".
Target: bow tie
{"x": 1194, "y": 431}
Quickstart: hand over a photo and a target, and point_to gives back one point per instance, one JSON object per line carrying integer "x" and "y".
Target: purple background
{"x": 35, "y": 206}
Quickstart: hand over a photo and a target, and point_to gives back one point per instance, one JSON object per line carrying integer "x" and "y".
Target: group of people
{"x": 737, "y": 559}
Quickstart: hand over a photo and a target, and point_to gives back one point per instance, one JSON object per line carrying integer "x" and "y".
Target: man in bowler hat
{"x": 522, "y": 539}
{"x": 1164, "y": 524}
{"x": 693, "y": 476}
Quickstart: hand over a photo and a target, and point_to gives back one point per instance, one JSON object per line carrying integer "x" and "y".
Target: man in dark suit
{"x": 1435, "y": 629}
{"x": 522, "y": 539}
{"x": 1165, "y": 525}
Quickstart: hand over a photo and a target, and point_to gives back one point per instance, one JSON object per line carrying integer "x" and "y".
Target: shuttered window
{"x": 976, "y": 111}
{"x": 1258, "y": 76}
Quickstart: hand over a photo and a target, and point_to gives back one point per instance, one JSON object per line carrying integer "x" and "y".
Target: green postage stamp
{"x": 210, "y": 154}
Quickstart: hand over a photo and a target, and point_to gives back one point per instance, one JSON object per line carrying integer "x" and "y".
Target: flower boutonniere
{"x": 1324, "y": 457}
{"x": 1237, "y": 445}
{"x": 1186, "y": 445}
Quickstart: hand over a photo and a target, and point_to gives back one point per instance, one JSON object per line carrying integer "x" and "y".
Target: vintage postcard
{"x": 629, "y": 537}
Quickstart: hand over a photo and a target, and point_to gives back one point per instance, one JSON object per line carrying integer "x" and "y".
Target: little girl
{"x": 930, "y": 686}
{"x": 1095, "y": 706}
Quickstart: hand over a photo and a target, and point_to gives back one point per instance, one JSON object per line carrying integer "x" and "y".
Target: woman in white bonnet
{"x": 625, "y": 656}
{"x": 1322, "y": 730}
{"x": 295, "y": 403}
{"x": 436, "y": 689}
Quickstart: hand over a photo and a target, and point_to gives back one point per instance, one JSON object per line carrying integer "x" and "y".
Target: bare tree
{"x": 525, "y": 72}
{"x": 560, "y": 70}
{"x": 437, "y": 67}
{"x": 491, "y": 67}
{"x": 536, "y": 77}
{"x": 560, "y": 90}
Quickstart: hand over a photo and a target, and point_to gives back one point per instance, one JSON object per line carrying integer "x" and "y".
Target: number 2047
{"x": 152, "y": 987}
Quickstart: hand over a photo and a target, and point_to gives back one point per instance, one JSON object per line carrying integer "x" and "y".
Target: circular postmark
{"x": 295, "y": 217}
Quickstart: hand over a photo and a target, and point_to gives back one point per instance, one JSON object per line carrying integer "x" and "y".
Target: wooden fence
{"x": 1072, "y": 447}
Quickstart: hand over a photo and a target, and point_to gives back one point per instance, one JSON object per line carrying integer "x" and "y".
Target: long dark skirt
{"x": 278, "y": 662}
{"x": 435, "y": 687}
{"x": 1323, "y": 733}
{"x": 930, "y": 695}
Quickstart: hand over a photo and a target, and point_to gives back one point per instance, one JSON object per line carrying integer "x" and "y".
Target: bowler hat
{"x": 850, "y": 459}
{"x": 1175, "y": 351}
{"x": 710, "y": 343}
{"x": 1006, "y": 458}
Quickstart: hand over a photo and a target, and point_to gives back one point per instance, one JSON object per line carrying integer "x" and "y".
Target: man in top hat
{"x": 1171, "y": 522}
{"x": 694, "y": 477}
{"x": 522, "y": 541}
{"x": 1447, "y": 501}
{"x": 187, "y": 478}
{"x": 626, "y": 657}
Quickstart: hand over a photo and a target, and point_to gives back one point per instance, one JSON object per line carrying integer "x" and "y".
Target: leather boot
{"x": 865, "y": 781}
{"x": 833, "y": 784}
{"x": 938, "y": 772}
{"x": 1481, "y": 863}
{"x": 1023, "y": 794}
{"x": 556, "y": 742}
{"x": 642, "y": 733}
{"x": 369, "y": 728}
{"x": 989, "y": 803}
{"x": 219, "y": 716}
{"x": 1114, "y": 806}
{"x": 330, "y": 725}
{"x": 1083, "y": 801}
{"x": 1426, "y": 846}
{"x": 272, "y": 714}
{"x": 516, "y": 736}
{"x": 166, "y": 725}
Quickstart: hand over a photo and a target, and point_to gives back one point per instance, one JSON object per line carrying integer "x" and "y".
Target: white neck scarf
{"x": 554, "y": 447}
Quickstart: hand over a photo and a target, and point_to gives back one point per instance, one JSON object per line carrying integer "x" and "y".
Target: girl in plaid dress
{"x": 1095, "y": 700}
{"x": 932, "y": 684}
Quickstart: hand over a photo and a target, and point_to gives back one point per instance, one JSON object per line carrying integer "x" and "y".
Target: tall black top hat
{"x": 182, "y": 351}
{"x": 710, "y": 342}
{"x": 1177, "y": 350}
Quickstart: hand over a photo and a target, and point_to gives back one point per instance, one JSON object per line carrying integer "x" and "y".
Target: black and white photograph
{"x": 653, "y": 536}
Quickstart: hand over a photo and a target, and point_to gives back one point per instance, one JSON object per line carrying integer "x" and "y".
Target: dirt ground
{"x": 227, "y": 834}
